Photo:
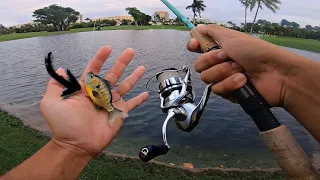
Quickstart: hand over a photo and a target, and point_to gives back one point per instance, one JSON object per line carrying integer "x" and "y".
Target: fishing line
{"x": 118, "y": 94}
{"x": 90, "y": 49}
{"x": 94, "y": 27}
{"x": 176, "y": 49}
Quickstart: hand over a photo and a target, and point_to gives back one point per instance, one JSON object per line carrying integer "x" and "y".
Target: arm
{"x": 51, "y": 162}
{"x": 84, "y": 131}
{"x": 283, "y": 78}
{"x": 303, "y": 99}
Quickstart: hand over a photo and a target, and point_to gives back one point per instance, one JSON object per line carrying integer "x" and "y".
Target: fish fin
{"x": 107, "y": 83}
{"x": 97, "y": 106}
{"x": 115, "y": 115}
{"x": 95, "y": 94}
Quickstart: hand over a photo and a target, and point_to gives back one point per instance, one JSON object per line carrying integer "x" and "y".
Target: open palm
{"x": 75, "y": 121}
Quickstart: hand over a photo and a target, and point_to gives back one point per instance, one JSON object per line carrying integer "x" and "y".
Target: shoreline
{"x": 17, "y": 36}
{"x": 15, "y": 125}
{"x": 302, "y": 44}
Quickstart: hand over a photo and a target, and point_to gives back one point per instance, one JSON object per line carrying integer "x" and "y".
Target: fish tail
{"x": 115, "y": 115}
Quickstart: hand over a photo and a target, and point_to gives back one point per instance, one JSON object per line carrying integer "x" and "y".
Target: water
{"x": 225, "y": 136}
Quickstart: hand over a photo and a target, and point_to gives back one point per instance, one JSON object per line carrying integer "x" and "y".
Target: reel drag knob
{"x": 149, "y": 152}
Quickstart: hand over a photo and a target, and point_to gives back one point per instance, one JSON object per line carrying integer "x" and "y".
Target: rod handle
{"x": 289, "y": 155}
{"x": 206, "y": 43}
{"x": 149, "y": 152}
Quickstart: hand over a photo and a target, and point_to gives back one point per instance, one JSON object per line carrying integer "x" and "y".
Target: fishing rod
{"x": 177, "y": 97}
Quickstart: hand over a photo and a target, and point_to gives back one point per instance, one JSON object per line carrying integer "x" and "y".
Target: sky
{"x": 14, "y": 12}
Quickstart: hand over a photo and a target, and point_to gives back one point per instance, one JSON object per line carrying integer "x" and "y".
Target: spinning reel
{"x": 177, "y": 100}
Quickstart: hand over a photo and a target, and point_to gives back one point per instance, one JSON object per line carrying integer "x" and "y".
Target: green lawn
{"x": 8, "y": 37}
{"x": 18, "y": 142}
{"x": 304, "y": 44}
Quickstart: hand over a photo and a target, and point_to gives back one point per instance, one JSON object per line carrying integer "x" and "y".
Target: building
{"x": 162, "y": 14}
{"x": 80, "y": 19}
{"x": 205, "y": 21}
{"x": 208, "y": 21}
{"x": 32, "y": 23}
{"x": 117, "y": 18}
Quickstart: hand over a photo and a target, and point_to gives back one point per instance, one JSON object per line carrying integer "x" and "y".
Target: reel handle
{"x": 149, "y": 152}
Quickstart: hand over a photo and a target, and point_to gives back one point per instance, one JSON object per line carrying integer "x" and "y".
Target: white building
{"x": 80, "y": 19}
{"x": 205, "y": 21}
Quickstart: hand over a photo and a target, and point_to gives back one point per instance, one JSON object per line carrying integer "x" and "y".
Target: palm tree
{"x": 197, "y": 7}
{"x": 246, "y": 4}
{"x": 273, "y": 5}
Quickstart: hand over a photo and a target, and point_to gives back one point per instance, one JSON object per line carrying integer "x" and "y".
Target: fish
{"x": 99, "y": 91}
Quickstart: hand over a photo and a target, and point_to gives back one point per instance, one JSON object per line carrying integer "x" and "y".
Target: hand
{"x": 266, "y": 65}
{"x": 76, "y": 124}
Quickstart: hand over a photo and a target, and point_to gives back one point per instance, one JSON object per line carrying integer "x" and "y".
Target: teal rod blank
{"x": 179, "y": 15}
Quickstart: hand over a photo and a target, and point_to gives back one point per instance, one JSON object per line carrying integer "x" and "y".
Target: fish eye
{"x": 98, "y": 86}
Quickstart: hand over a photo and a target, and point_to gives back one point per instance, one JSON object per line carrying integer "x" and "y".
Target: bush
{"x": 51, "y": 29}
{"x": 77, "y": 25}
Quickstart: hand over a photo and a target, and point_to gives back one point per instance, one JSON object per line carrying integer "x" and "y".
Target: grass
{"x": 19, "y": 142}
{"x": 303, "y": 44}
{"x": 8, "y": 37}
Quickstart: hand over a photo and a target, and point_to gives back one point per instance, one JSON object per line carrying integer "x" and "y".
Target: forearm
{"x": 50, "y": 162}
{"x": 303, "y": 95}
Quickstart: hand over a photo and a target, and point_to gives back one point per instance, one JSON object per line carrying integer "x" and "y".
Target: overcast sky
{"x": 13, "y": 12}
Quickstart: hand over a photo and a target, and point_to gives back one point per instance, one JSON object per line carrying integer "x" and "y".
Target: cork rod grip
{"x": 289, "y": 155}
{"x": 206, "y": 43}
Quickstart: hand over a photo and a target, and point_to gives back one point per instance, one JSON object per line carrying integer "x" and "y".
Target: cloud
{"x": 14, "y": 12}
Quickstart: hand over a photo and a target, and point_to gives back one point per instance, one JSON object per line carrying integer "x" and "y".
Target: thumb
{"x": 218, "y": 33}
{"x": 54, "y": 88}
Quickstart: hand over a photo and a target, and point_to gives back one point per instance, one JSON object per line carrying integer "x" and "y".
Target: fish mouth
{"x": 88, "y": 77}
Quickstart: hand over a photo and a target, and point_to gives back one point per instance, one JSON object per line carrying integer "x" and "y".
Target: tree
{"x": 246, "y": 4}
{"x": 231, "y": 23}
{"x": 60, "y": 17}
{"x": 295, "y": 25}
{"x": 87, "y": 19}
{"x": 197, "y": 7}
{"x": 178, "y": 22}
{"x": 309, "y": 27}
{"x": 156, "y": 17}
{"x": 285, "y": 22}
{"x": 273, "y": 5}
{"x": 139, "y": 17}
{"x": 124, "y": 22}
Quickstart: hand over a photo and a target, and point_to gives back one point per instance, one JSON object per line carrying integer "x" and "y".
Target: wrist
{"x": 302, "y": 84}
{"x": 73, "y": 151}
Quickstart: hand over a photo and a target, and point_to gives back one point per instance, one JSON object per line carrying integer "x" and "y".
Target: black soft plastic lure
{"x": 72, "y": 85}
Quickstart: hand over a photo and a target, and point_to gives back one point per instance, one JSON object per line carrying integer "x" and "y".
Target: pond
{"x": 225, "y": 135}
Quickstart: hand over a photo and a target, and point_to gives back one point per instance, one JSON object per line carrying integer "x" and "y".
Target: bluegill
{"x": 99, "y": 91}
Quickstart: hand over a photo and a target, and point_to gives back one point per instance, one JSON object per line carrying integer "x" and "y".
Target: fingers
{"x": 54, "y": 88}
{"x": 230, "y": 84}
{"x": 210, "y": 59}
{"x": 137, "y": 101}
{"x": 218, "y": 32}
{"x": 131, "y": 80}
{"x": 119, "y": 67}
{"x": 219, "y": 72}
{"x": 194, "y": 45}
{"x": 97, "y": 62}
